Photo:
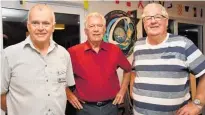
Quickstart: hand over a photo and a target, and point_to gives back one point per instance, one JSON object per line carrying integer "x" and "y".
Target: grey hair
{"x": 163, "y": 10}
{"x": 94, "y": 14}
{"x": 42, "y": 6}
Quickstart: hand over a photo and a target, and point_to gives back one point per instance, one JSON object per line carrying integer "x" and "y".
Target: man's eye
{"x": 91, "y": 26}
{"x": 34, "y": 22}
{"x": 148, "y": 18}
{"x": 46, "y": 23}
{"x": 158, "y": 16}
{"x": 100, "y": 25}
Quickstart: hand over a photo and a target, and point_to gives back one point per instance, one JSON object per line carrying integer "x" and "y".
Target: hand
{"x": 3, "y": 102}
{"x": 119, "y": 98}
{"x": 189, "y": 109}
{"x": 74, "y": 101}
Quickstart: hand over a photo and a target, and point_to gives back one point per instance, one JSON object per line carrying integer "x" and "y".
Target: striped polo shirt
{"x": 162, "y": 83}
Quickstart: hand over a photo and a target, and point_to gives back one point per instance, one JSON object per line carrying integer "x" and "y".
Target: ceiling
{"x": 196, "y": 3}
{"x": 15, "y": 15}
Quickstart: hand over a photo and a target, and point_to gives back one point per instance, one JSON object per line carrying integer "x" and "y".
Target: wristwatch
{"x": 197, "y": 102}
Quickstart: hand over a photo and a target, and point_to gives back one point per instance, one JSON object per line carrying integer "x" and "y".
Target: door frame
{"x": 201, "y": 37}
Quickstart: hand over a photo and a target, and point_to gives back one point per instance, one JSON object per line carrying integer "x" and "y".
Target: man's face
{"x": 40, "y": 25}
{"x": 95, "y": 29}
{"x": 154, "y": 22}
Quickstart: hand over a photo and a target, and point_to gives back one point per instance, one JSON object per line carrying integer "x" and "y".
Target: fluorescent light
{"x": 193, "y": 30}
{"x": 59, "y": 26}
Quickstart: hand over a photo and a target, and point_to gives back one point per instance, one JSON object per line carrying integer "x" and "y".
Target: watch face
{"x": 197, "y": 101}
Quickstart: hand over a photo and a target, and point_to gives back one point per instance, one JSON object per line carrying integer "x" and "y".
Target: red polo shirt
{"x": 96, "y": 77}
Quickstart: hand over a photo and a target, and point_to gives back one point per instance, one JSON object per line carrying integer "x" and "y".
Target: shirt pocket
{"x": 58, "y": 79}
{"x": 168, "y": 56}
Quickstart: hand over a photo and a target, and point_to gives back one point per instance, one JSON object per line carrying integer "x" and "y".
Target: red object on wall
{"x": 128, "y": 4}
{"x": 140, "y": 5}
{"x": 117, "y": 1}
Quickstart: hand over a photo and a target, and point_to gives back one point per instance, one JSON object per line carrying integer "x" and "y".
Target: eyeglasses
{"x": 157, "y": 17}
{"x": 92, "y": 26}
{"x": 37, "y": 24}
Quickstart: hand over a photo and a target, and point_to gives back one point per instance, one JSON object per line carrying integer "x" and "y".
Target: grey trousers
{"x": 108, "y": 109}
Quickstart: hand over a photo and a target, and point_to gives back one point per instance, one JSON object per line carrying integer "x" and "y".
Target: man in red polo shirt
{"x": 94, "y": 64}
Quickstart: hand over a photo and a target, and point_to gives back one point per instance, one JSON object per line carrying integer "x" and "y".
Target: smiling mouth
{"x": 155, "y": 27}
{"x": 96, "y": 34}
{"x": 41, "y": 34}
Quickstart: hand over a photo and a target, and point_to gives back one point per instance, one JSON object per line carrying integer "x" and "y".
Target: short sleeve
{"x": 195, "y": 59}
{"x": 123, "y": 62}
{"x": 69, "y": 73}
{"x": 6, "y": 74}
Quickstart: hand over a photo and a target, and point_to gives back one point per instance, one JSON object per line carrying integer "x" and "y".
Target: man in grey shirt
{"x": 37, "y": 71}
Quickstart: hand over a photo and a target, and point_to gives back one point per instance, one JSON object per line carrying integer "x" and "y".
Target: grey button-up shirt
{"x": 35, "y": 84}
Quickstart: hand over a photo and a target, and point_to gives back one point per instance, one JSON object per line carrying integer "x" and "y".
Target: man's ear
{"x": 54, "y": 24}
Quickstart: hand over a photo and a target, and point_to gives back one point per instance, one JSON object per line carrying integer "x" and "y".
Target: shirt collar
{"x": 87, "y": 46}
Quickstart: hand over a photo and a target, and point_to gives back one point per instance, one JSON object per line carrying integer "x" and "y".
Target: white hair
{"x": 163, "y": 10}
{"x": 94, "y": 14}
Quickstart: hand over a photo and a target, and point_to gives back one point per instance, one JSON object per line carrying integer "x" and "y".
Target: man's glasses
{"x": 37, "y": 24}
{"x": 157, "y": 17}
{"x": 92, "y": 26}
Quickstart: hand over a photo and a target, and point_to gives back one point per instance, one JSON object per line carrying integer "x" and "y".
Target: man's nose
{"x": 96, "y": 28}
{"x": 40, "y": 27}
{"x": 153, "y": 20}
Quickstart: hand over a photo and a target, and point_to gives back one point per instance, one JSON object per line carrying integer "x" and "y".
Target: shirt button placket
{"x": 47, "y": 80}
{"x": 46, "y": 76}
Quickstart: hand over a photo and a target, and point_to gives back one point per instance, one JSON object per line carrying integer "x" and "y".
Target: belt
{"x": 99, "y": 103}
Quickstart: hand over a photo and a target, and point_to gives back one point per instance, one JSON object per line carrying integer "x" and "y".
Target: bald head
{"x": 41, "y": 8}
{"x": 148, "y": 8}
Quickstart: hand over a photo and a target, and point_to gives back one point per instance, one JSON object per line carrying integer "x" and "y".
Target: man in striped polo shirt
{"x": 162, "y": 63}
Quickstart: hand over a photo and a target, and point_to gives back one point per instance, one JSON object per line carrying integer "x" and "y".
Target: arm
{"x": 5, "y": 81}
{"x": 132, "y": 80}
{"x": 120, "y": 95}
{"x": 71, "y": 82}
{"x": 73, "y": 99}
{"x": 195, "y": 60}
{"x": 191, "y": 108}
{"x": 3, "y": 102}
{"x": 125, "y": 65}
{"x": 200, "y": 92}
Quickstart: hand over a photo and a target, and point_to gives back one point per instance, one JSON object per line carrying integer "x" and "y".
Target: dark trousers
{"x": 70, "y": 110}
{"x": 89, "y": 109}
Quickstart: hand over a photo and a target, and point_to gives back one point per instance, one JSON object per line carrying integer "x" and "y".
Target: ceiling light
{"x": 59, "y": 26}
